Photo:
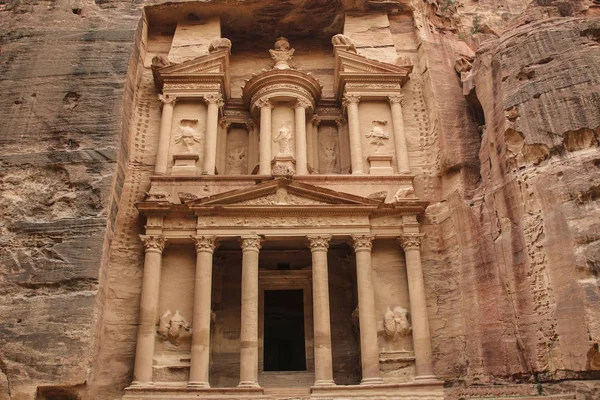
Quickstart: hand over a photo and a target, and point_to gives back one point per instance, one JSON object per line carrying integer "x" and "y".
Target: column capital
{"x": 225, "y": 124}
{"x": 340, "y": 121}
{"x": 250, "y": 124}
{"x": 213, "y": 98}
{"x": 302, "y": 103}
{"x": 167, "y": 99}
{"x": 205, "y": 243}
{"x": 264, "y": 102}
{"x": 362, "y": 242}
{"x": 316, "y": 120}
{"x": 396, "y": 99}
{"x": 153, "y": 243}
{"x": 251, "y": 242}
{"x": 318, "y": 242}
{"x": 350, "y": 99}
{"x": 411, "y": 241}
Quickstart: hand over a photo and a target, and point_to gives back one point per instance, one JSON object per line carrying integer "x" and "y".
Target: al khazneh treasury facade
{"x": 282, "y": 239}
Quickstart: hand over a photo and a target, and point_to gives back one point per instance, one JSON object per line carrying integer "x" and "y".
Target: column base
{"x": 324, "y": 382}
{"x": 371, "y": 381}
{"x": 138, "y": 384}
{"x": 198, "y": 385}
{"x": 427, "y": 379}
{"x": 248, "y": 384}
{"x": 358, "y": 173}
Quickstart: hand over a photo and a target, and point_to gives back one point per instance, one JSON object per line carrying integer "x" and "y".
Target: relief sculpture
{"x": 395, "y": 323}
{"x": 284, "y": 139}
{"x": 187, "y": 136}
{"x": 173, "y": 328}
{"x": 330, "y": 159}
{"x": 236, "y": 162}
{"x": 377, "y": 134}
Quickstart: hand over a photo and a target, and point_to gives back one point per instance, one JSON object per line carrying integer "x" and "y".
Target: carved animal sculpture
{"x": 395, "y": 323}
{"x": 343, "y": 40}
{"x": 219, "y": 44}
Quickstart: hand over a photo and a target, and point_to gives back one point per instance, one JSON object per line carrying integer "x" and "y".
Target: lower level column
{"x": 249, "y": 322}
{"x": 369, "y": 348}
{"x": 322, "y": 324}
{"x": 411, "y": 244}
{"x": 200, "y": 354}
{"x": 144, "y": 351}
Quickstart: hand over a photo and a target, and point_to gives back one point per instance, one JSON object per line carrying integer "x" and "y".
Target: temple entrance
{"x": 284, "y": 342}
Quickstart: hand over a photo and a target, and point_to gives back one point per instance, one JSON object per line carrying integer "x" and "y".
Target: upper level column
{"x": 166, "y": 120}
{"x": 200, "y": 353}
{"x": 265, "y": 137}
{"x": 144, "y": 351}
{"x": 411, "y": 243}
{"x": 301, "y": 158}
{"x": 356, "y": 158}
{"x": 369, "y": 349}
{"x": 396, "y": 101}
{"x": 214, "y": 101}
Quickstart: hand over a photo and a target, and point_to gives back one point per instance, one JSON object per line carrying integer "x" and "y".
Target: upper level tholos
{"x": 283, "y": 124}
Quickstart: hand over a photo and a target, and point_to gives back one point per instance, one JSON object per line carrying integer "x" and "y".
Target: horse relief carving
{"x": 173, "y": 328}
{"x": 395, "y": 324}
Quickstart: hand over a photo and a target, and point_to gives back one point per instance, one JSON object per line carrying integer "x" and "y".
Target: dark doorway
{"x": 284, "y": 331}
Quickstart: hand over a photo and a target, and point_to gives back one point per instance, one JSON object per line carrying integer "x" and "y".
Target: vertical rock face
{"x": 507, "y": 154}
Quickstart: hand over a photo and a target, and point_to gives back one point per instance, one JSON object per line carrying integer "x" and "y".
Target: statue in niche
{"x": 236, "y": 161}
{"x": 395, "y": 323}
{"x": 377, "y": 134}
{"x": 340, "y": 40}
{"x": 282, "y": 54}
{"x": 187, "y": 135}
{"x": 173, "y": 328}
{"x": 329, "y": 156}
{"x": 284, "y": 139}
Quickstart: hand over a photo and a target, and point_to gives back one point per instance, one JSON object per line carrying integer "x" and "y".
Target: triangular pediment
{"x": 352, "y": 67}
{"x": 281, "y": 192}
{"x": 210, "y": 68}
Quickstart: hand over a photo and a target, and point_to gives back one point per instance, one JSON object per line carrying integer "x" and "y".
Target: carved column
{"x": 369, "y": 349}
{"x": 301, "y": 157}
{"x": 319, "y": 244}
{"x": 222, "y": 146}
{"x": 310, "y": 154}
{"x": 200, "y": 354}
{"x": 214, "y": 101}
{"x": 418, "y": 306}
{"x": 164, "y": 137}
{"x": 315, "y": 131}
{"x": 249, "y": 322}
{"x": 144, "y": 351}
{"x": 399, "y": 136}
{"x": 252, "y": 139}
{"x": 356, "y": 158}
{"x": 265, "y": 136}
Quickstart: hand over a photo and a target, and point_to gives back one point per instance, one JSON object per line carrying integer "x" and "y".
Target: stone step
{"x": 293, "y": 380}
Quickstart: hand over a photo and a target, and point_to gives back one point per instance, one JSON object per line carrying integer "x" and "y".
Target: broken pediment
{"x": 353, "y": 71}
{"x": 208, "y": 72}
{"x": 282, "y": 192}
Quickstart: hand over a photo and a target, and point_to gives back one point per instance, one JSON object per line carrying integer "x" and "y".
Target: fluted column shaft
{"x": 200, "y": 353}
{"x": 369, "y": 349}
{"x": 144, "y": 351}
{"x": 164, "y": 136}
{"x": 265, "y": 137}
{"x": 356, "y": 158}
{"x": 249, "y": 322}
{"x": 214, "y": 101}
{"x": 319, "y": 244}
{"x": 301, "y": 157}
{"x": 418, "y": 306}
{"x": 399, "y": 135}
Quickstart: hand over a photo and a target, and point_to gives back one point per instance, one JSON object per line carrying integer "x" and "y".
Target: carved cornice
{"x": 167, "y": 99}
{"x": 411, "y": 241}
{"x": 396, "y": 98}
{"x": 251, "y": 243}
{"x": 362, "y": 242}
{"x": 319, "y": 242}
{"x": 214, "y": 98}
{"x": 350, "y": 99}
{"x": 153, "y": 243}
{"x": 204, "y": 243}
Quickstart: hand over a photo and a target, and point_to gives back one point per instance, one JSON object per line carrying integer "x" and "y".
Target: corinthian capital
{"x": 204, "y": 243}
{"x": 316, "y": 120}
{"x": 396, "y": 98}
{"x": 154, "y": 243}
{"x": 302, "y": 103}
{"x": 412, "y": 241}
{"x": 350, "y": 99}
{"x": 225, "y": 124}
{"x": 263, "y": 102}
{"x": 214, "y": 98}
{"x": 362, "y": 242}
{"x": 318, "y": 242}
{"x": 251, "y": 242}
{"x": 167, "y": 99}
